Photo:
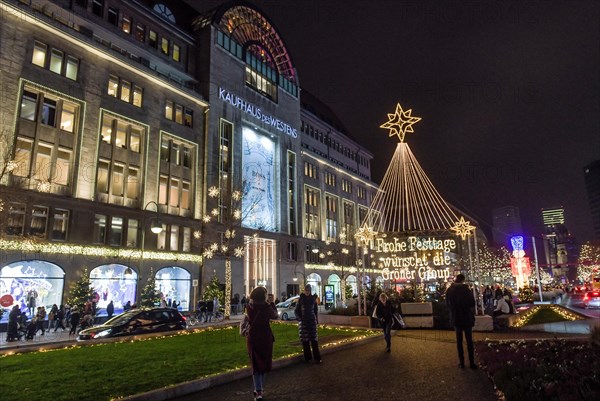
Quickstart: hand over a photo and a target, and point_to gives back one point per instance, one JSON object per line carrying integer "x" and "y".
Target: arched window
{"x": 164, "y": 12}
{"x": 31, "y": 283}
{"x": 315, "y": 283}
{"x": 115, "y": 283}
{"x": 351, "y": 281}
{"x": 174, "y": 283}
{"x": 336, "y": 282}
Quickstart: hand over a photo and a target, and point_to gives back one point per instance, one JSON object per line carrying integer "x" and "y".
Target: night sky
{"x": 508, "y": 92}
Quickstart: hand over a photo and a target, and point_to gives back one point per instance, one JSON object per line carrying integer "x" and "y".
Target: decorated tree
{"x": 150, "y": 296}
{"x": 589, "y": 261}
{"x": 81, "y": 290}
{"x": 494, "y": 264}
{"x": 213, "y": 289}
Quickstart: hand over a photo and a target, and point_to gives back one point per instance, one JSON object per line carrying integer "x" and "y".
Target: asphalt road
{"x": 420, "y": 368}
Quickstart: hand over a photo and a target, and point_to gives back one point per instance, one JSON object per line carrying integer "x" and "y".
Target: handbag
{"x": 398, "y": 322}
{"x": 245, "y": 326}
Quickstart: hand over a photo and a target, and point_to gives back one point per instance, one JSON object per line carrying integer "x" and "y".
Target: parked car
{"x": 591, "y": 299}
{"x": 136, "y": 321}
{"x": 285, "y": 309}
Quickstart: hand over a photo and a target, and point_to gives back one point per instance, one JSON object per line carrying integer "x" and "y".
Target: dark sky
{"x": 508, "y": 92}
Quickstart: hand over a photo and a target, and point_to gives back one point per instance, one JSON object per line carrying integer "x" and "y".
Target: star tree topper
{"x": 400, "y": 122}
{"x": 365, "y": 234}
{"x": 463, "y": 228}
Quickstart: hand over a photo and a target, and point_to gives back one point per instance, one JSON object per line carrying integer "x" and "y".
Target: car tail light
{"x": 586, "y": 297}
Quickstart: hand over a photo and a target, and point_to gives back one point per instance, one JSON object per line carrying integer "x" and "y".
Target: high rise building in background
{"x": 560, "y": 247}
{"x": 592, "y": 185}
{"x": 506, "y": 224}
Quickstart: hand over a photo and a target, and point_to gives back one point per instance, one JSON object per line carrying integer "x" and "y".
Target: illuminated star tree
{"x": 589, "y": 261}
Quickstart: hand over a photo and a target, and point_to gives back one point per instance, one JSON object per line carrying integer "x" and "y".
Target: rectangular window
{"x": 169, "y": 110}
{"x": 106, "y": 130}
{"x": 132, "y": 232}
{"x": 153, "y": 39}
{"x": 116, "y": 231}
{"x": 43, "y": 160}
{"x": 187, "y": 239}
{"x": 292, "y": 251}
{"x": 113, "y": 86}
{"x": 140, "y": 32}
{"x": 102, "y": 177}
{"x": 39, "y": 54}
{"x": 98, "y": 7}
{"x": 134, "y": 139}
{"x": 163, "y": 185}
{"x": 125, "y": 91}
{"x": 187, "y": 157}
{"x": 72, "y": 68}
{"x": 164, "y": 45}
{"x": 113, "y": 16}
{"x": 60, "y": 225}
{"x": 164, "y": 150}
{"x": 174, "y": 238}
{"x": 174, "y": 192}
{"x": 49, "y": 112}
{"x": 29, "y": 105}
{"x": 39, "y": 221}
{"x": 56, "y": 60}
{"x": 176, "y": 53}
{"x": 121, "y": 137}
{"x": 16, "y": 219}
{"x": 23, "y": 151}
{"x": 81, "y": 3}
{"x": 132, "y": 183}
{"x": 99, "y": 229}
{"x": 178, "y": 114}
{"x": 137, "y": 96}
{"x": 291, "y": 187}
{"x": 62, "y": 167}
{"x": 188, "y": 118}
{"x": 67, "y": 117}
{"x": 185, "y": 195}
{"x": 126, "y": 24}
{"x": 116, "y": 183}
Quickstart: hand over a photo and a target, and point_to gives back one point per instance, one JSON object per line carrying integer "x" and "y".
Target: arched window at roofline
{"x": 247, "y": 25}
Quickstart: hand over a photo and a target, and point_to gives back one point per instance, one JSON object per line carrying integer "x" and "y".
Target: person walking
{"x": 12, "y": 332}
{"x": 307, "y": 313}
{"x": 460, "y": 301}
{"x": 209, "y": 311}
{"x": 60, "y": 317}
{"x": 40, "y": 317}
{"x": 260, "y": 338}
{"x": 110, "y": 309}
{"x": 74, "y": 320}
{"x": 384, "y": 313}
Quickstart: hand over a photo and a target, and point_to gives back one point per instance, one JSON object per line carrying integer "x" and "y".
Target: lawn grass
{"x": 112, "y": 370}
{"x": 545, "y": 315}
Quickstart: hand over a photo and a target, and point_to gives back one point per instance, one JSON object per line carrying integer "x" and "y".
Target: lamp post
{"x": 156, "y": 228}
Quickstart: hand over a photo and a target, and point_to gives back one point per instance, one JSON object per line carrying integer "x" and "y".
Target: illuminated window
{"x": 176, "y": 53}
{"x": 187, "y": 239}
{"x": 29, "y": 105}
{"x": 42, "y": 160}
{"x": 39, "y": 54}
{"x": 153, "y": 39}
{"x": 56, "y": 60}
{"x": 126, "y": 24}
{"x": 49, "y": 112}
{"x": 174, "y": 192}
{"x": 330, "y": 179}
{"x": 116, "y": 231}
{"x": 125, "y": 134}
{"x": 60, "y": 225}
{"x": 102, "y": 176}
{"x": 140, "y": 32}
{"x": 346, "y": 186}
{"x": 39, "y": 221}
{"x": 67, "y": 117}
{"x": 132, "y": 183}
{"x": 163, "y": 184}
{"x": 62, "y": 167}
{"x": 121, "y": 137}
{"x": 174, "y": 238}
{"x": 185, "y": 195}
{"x": 99, "y": 229}
{"x": 310, "y": 170}
{"x": 116, "y": 179}
{"x": 23, "y": 151}
{"x": 72, "y": 68}
{"x": 125, "y": 90}
{"x": 312, "y": 225}
{"x": 331, "y": 217}
{"x": 178, "y": 113}
{"x": 16, "y": 219}
{"x": 361, "y": 192}
{"x": 164, "y": 45}
{"x": 291, "y": 187}
{"x": 134, "y": 139}
{"x": 132, "y": 233}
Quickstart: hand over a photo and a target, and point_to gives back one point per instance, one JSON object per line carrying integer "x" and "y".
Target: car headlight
{"x": 101, "y": 334}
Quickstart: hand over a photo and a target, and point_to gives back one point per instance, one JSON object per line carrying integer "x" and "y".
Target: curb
{"x": 193, "y": 386}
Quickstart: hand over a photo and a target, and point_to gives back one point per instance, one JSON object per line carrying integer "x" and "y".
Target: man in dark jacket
{"x": 461, "y": 304}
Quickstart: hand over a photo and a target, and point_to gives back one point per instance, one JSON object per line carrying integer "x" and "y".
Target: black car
{"x": 135, "y": 322}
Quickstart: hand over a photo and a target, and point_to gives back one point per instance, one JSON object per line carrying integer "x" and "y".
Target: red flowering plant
{"x": 548, "y": 370}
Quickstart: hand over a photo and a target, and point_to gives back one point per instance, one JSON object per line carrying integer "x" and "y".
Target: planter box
{"x": 417, "y": 314}
{"x": 484, "y": 323}
{"x": 342, "y": 320}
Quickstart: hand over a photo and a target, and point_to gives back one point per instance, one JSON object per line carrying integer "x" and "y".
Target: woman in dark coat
{"x": 13, "y": 324}
{"x": 384, "y": 313}
{"x": 307, "y": 313}
{"x": 260, "y": 338}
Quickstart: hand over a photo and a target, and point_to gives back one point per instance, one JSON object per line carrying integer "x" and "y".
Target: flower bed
{"x": 548, "y": 370}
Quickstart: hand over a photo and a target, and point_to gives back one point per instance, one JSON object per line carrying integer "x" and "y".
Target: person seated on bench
{"x": 502, "y": 307}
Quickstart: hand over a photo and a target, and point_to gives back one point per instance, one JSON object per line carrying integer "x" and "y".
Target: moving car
{"x": 285, "y": 309}
{"x": 591, "y": 299}
{"x": 135, "y": 322}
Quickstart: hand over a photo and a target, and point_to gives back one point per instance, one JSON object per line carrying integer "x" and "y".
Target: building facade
{"x": 145, "y": 139}
{"x": 592, "y": 185}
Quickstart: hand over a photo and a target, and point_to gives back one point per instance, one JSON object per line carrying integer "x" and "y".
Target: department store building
{"x": 150, "y": 139}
